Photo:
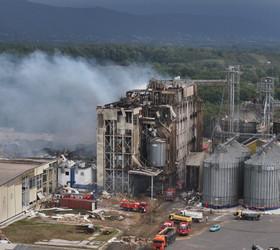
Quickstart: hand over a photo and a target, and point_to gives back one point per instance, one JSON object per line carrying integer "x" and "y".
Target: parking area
{"x": 235, "y": 235}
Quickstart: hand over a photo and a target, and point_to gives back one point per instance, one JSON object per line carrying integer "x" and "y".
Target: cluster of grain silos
{"x": 223, "y": 175}
{"x": 228, "y": 175}
{"x": 262, "y": 178}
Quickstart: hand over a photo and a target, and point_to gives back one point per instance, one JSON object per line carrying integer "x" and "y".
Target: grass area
{"x": 106, "y": 236}
{"x": 31, "y": 230}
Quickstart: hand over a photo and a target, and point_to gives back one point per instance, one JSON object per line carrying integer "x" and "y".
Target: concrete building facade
{"x": 152, "y": 130}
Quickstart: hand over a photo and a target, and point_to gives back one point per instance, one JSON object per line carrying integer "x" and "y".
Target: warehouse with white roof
{"x": 23, "y": 183}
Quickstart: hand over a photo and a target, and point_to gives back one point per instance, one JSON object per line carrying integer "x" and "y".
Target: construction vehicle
{"x": 196, "y": 216}
{"x": 164, "y": 238}
{"x": 134, "y": 206}
{"x": 167, "y": 224}
{"x": 184, "y": 228}
{"x": 170, "y": 194}
{"x": 177, "y": 217}
{"x": 247, "y": 215}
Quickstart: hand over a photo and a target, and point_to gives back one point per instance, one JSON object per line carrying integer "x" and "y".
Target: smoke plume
{"x": 58, "y": 94}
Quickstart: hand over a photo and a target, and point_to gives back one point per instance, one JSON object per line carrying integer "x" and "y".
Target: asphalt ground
{"x": 235, "y": 235}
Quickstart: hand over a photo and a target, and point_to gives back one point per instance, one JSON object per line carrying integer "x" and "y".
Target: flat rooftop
{"x": 10, "y": 169}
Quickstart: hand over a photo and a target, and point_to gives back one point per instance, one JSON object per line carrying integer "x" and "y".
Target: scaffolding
{"x": 117, "y": 157}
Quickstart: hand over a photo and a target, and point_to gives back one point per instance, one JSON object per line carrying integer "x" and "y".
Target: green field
{"x": 29, "y": 231}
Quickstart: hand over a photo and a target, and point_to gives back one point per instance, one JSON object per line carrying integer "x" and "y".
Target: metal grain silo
{"x": 262, "y": 178}
{"x": 223, "y": 175}
{"x": 157, "y": 152}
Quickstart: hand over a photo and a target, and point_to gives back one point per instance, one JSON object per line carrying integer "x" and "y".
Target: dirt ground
{"x": 138, "y": 224}
{"x": 145, "y": 226}
{"x": 141, "y": 227}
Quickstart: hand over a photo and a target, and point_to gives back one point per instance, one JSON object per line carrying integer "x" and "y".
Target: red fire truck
{"x": 134, "y": 206}
{"x": 170, "y": 194}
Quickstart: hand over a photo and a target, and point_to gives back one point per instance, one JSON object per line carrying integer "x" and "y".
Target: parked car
{"x": 215, "y": 228}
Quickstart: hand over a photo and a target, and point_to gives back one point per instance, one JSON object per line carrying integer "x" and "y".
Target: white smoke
{"x": 58, "y": 94}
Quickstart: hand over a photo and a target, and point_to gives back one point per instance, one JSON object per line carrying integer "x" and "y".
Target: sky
{"x": 229, "y": 7}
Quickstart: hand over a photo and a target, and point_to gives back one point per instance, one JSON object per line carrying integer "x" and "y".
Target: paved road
{"x": 235, "y": 235}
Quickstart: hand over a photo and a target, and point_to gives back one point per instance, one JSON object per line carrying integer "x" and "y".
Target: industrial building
{"x": 250, "y": 117}
{"x": 76, "y": 174}
{"x": 146, "y": 137}
{"x": 230, "y": 178}
{"x": 23, "y": 183}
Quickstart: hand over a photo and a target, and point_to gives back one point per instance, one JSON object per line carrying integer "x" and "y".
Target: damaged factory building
{"x": 144, "y": 140}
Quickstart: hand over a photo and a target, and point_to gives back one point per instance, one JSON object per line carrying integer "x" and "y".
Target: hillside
{"x": 25, "y": 21}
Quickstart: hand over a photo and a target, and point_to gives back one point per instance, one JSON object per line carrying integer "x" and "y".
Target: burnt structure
{"x": 150, "y": 132}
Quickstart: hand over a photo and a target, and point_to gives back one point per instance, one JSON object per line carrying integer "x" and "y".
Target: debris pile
{"x": 192, "y": 198}
{"x": 129, "y": 243}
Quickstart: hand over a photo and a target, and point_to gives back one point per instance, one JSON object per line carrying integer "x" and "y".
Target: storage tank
{"x": 223, "y": 175}
{"x": 157, "y": 152}
{"x": 261, "y": 179}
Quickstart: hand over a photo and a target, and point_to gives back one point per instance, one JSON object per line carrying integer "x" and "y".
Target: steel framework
{"x": 266, "y": 92}
{"x": 233, "y": 82}
{"x": 117, "y": 158}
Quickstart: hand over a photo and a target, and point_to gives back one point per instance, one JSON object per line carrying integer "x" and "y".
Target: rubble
{"x": 105, "y": 195}
{"x": 130, "y": 242}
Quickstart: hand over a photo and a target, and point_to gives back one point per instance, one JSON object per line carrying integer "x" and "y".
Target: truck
{"x": 170, "y": 194}
{"x": 167, "y": 224}
{"x": 164, "y": 238}
{"x": 247, "y": 215}
{"x": 184, "y": 228}
{"x": 196, "y": 216}
{"x": 134, "y": 206}
{"x": 180, "y": 218}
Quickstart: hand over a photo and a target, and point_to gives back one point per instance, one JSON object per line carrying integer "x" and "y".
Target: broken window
{"x": 119, "y": 114}
{"x": 32, "y": 182}
{"x": 135, "y": 120}
{"x": 100, "y": 120}
{"x": 45, "y": 176}
{"x": 39, "y": 181}
{"x": 128, "y": 117}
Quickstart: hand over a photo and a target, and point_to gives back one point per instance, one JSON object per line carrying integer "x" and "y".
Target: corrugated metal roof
{"x": 228, "y": 152}
{"x": 269, "y": 156}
